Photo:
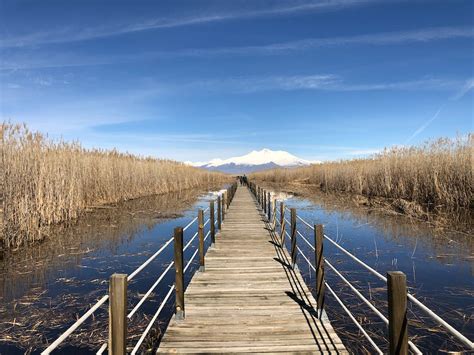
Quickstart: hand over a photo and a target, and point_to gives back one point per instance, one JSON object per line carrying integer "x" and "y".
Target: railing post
{"x": 282, "y": 224}
{"x": 319, "y": 262}
{"x": 178, "y": 265}
{"x": 274, "y": 213}
{"x": 201, "y": 239}
{"x": 397, "y": 312}
{"x": 212, "y": 221}
{"x": 118, "y": 314}
{"x": 219, "y": 214}
{"x": 265, "y": 201}
{"x": 293, "y": 238}
{"x": 224, "y": 203}
{"x": 269, "y": 206}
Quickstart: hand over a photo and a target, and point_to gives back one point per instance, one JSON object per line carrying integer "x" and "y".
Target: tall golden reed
{"x": 45, "y": 182}
{"x": 438, "y": 174}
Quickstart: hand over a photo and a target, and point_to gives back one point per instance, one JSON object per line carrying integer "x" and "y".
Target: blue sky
{"x": 196, "y": 80}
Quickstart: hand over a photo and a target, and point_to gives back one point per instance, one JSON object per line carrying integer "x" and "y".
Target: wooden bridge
{"x": 248, "y": 295}
{"x": 249, "y": 298}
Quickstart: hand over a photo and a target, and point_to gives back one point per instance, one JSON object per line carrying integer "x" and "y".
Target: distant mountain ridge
{"x": 256, "y": 160}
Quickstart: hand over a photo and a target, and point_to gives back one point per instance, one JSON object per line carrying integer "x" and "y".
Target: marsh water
{"x": 46, "y": 287}
{"x": 438, "y": 263}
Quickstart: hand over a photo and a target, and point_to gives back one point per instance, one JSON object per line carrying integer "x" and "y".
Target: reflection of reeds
{"x": 102, "y": 229}
{"x": 37, "y": 302}
{"x": 437, "y": 174}
{"x": 45, "y": 182}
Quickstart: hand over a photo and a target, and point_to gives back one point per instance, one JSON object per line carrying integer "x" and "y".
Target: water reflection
{"x": 438, "y": 263}
{"x": 45, "y": 287}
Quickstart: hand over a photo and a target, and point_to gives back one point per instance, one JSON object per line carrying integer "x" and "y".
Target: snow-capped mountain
{"x": 256, "y": 160}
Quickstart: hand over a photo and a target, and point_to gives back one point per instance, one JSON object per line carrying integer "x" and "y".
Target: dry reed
{"x": 438, "y": 174}
{"x": 45, "y": 182}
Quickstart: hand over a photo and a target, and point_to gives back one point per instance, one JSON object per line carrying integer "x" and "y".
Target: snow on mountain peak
{"x": 260, "y": 157}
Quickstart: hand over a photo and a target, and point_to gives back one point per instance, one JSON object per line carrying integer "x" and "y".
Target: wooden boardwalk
{"x": 249, "y": 299}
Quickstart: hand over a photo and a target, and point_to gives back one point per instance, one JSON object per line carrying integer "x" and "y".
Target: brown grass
{"x": 438, "y": 174}
{"x": 45, "y": 182}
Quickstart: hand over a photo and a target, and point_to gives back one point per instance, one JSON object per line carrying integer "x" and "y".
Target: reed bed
{"x": 45, "y": 182}
{"x": 435, "y": 175}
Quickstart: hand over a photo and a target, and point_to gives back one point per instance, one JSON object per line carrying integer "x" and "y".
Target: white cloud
{"x": 324, "y": 82}
{"x": 364, "y": 151}
{"x": 384, "y": 38}
{"x": 13, "y": 86}
{"x": 40, "y": 59}
{"x": 69, "y": 34}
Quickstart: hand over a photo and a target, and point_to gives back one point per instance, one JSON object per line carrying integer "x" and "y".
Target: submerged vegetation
{"x": 44, "y": 182}
{"x": 437, "y": 175}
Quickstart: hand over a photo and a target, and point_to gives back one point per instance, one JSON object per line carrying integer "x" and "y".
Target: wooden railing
{"x": 118, "y": 284}
{"x": 397, "y": 294}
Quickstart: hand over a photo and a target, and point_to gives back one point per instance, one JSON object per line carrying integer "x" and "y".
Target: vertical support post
{"x": 397, "y": 312}
{"x": 282, "y": 213}
{"x": 265, "y": 201}
{"x": 219, "y": 213}
{"x": 319, "y": 262}
{"x": 224, "y": 204}
{"x": 274, "y": 213}
{"x": 178, "y": 265}
{"x": 293, "y": 238}
{"x": 201, "y": 239}
{"x": 282, "y": 224}
{"x": 118, "y": 314}
{"x": 213, "y": 225}
{"x": 269, "y": 207}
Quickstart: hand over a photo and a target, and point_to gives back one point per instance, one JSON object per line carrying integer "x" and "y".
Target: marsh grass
{"x": 45, "y": 182}
{"x": 436, "y": 175}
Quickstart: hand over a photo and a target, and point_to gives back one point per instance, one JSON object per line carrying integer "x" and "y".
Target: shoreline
{"x": 460, "y": 221}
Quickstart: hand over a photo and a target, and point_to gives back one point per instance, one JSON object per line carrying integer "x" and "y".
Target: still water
{"x": 438, "y": 263}
{"x": 45, "y": 288}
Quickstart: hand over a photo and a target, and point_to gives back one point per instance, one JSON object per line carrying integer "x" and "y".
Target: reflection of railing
{"x": 117, "y": 296}
{"x": 396, "y": 281}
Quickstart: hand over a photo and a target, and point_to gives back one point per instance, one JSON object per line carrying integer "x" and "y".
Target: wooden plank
{"x": 249, "y": 299}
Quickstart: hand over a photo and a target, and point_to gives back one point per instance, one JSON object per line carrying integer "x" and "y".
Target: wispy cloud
{"x": 376, "y": 39}
{"x": 39, "y": 59}
{"x": 70, "y": 34}
{"x": 322, "y": 82}
{"x": 363, "y": 152}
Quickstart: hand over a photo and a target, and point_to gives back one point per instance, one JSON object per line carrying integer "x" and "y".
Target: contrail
{"x": 425, "y": 125}
{"x": 463, "y": 91}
